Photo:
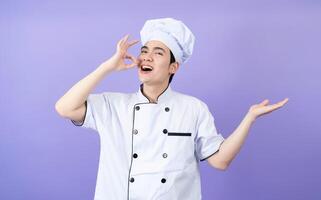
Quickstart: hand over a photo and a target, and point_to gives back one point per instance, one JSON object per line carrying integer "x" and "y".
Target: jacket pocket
{"x": 178, "y": 134}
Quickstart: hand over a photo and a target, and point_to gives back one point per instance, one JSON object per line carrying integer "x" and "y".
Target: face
{"x": 154, "y": 66}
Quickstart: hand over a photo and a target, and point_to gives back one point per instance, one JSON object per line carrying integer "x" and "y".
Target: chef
{"x": 152, "y": 140}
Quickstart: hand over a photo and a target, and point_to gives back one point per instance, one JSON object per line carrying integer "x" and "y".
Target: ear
{"x": 174, "y": 67}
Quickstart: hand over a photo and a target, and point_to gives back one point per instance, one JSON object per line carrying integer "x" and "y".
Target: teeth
{"x": 147, "y": 68}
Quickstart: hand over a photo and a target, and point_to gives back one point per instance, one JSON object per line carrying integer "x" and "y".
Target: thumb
{"x": 264, "y": 103}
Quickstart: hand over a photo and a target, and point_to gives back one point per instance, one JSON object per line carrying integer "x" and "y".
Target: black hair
{"x": 172, "y": 61}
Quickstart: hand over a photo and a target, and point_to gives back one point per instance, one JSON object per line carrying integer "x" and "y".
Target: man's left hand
{"x": 263, "y": 108}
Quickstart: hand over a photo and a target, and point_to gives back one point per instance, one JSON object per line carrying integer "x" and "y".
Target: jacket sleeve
{"x": 208, "y": 140}
{"x": 94, "y": 106}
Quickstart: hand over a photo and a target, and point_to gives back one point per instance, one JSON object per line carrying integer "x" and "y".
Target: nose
{"x": 146, "y": 57}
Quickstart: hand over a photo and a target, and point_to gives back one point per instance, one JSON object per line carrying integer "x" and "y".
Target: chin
{"x": 143, "y": 80}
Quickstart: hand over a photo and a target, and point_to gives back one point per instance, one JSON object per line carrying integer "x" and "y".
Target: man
{"x": 152, "y": 140}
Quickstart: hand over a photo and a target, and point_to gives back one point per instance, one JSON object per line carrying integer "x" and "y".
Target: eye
{"x": 143, "y": 51}
{"x": 159, "y": 53}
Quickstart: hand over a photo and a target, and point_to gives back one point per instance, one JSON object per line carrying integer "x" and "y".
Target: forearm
{"x": 232, "y": 144}
{"x": 79, "y": 92}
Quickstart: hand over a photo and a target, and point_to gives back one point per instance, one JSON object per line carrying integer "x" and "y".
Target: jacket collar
{"x": 165, "y": 95}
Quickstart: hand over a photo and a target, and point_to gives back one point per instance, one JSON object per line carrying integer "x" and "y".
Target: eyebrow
{"x": 155, "y": 48}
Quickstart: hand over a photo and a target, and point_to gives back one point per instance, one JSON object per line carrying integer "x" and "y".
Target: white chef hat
{"x": 173, "y": 33}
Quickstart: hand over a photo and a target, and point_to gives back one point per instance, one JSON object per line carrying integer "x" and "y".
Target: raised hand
{"x": 263, "y": 108}
{"x": 121, "y": 54}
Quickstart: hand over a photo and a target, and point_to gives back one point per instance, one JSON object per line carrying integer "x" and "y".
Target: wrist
{"x": 110, "y": 64}
{"x": 250, "y": 116}
{"x": 106, "y": 67}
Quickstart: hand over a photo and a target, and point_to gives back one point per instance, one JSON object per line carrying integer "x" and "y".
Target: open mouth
{"x": 146, "y": 68}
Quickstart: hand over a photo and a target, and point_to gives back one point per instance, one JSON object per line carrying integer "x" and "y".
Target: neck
{"x": 152, "y": 92}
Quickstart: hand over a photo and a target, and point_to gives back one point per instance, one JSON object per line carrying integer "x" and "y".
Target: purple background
{"x": 245, "y": 51}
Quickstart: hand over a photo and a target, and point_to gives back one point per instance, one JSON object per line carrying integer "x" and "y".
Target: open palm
{"x": 263, "y": 107}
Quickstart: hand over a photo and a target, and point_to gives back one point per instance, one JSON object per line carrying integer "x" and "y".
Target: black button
{"x": 164, "y": 155}
{"x": 137, "y": 107}
{"x": 135, "y": 155}
{"x": 163, "y": 180}
{"x": 167, "y": 109}
{"x": 135, "y": 131}
{"x": 165, "y": 131}
{"x": 132, "y": 180}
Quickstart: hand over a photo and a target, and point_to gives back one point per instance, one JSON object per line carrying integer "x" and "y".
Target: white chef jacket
{"x": 150, "y": 151}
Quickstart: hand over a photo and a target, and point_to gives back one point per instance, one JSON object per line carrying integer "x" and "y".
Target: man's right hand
{"x": 122, "y": 54}
{"x": 72, "y": 104}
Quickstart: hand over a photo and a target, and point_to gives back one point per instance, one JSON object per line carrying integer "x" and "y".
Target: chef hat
{"x": 173, "y": 33}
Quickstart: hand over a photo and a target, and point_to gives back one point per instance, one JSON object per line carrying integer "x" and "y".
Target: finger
{"x": 124, "y": 40}
{"x": 285, "y": 101}
{"x": 133, "y": 43}
{"x": 270, "y": 108}
{"x": 131, "y": 65}
{"x": 119, "y": 42}
{"x": 132, "y": 58}
{"x": 138, "y": 61}
{"x": 264, "y": 103}
{"x": 127, "y": 45}
{"x": 134, "y": 63}
{"x": 281, "y": 103}
{"x": 274, "y": 106}
{"x": 128, "y": 56}
{"x": 267, "y": 109}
